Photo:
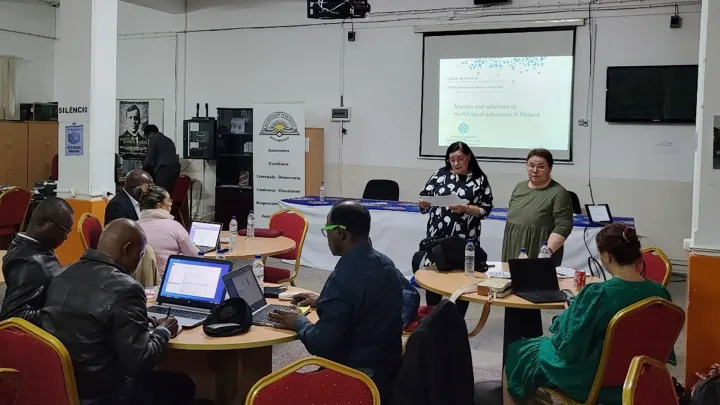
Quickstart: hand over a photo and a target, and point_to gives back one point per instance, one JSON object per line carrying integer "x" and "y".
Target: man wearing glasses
{"x": 30, "y": 262}
{"x": 359, "y": 308}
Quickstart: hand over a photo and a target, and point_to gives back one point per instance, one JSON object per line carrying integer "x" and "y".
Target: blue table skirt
{"x": 406, "y": 206}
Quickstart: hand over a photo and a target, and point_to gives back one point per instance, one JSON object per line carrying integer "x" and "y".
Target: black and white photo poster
{"x": 133, "y": 116}
{"x": 278, "y": 156}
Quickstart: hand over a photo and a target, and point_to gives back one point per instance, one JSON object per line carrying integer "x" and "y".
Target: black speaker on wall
{"x": 490, "y": 2}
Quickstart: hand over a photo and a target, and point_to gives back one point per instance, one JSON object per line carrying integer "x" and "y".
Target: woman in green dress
{"x": 568, "y": 360}
{"x": 540, "y": 210}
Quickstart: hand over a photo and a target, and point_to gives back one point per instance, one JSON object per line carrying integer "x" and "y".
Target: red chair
{"x": 54, "y": 168}
{"x": 332, "y": 384}
{"x": 43, "y": 362}
{"x": 14, "y": 204}
{"x": 655, "y": 266}
{"x": 9, "y": 383}
{"x": 647, "y": 328}
{"x": 295, "y": 226}
{"x": 179, "y": 197}
{"x": 90, "y": 229}
{"x": 422, "y": 313}
{"x": 648, "y": 383}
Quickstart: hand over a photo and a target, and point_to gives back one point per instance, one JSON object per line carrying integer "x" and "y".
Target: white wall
{"x": 269, "y": 51}
{"x": 27, "y": 32}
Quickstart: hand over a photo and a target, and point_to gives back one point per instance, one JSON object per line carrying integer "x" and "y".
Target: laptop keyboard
{"x": 177, "y": 313}
{"x": 262, "y": 316}
{"x": 205, "y": 249}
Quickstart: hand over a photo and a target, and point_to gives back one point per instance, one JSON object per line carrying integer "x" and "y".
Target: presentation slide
{"x": 509, "y": 103}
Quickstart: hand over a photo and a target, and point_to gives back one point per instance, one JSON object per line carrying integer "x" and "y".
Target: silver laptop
{"x": 190, "y": 289}
{"x": 205, "y": 235}
{"x": 242, "y": 283}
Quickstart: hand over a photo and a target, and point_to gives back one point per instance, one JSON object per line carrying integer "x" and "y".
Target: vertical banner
{"x": 278, "y": 156}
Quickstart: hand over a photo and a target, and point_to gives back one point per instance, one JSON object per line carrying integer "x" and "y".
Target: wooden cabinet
{"x": 26, "y": 152}
{"x": 42, "y": 147}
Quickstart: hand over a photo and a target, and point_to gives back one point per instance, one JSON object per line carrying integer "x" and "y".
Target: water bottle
{"x": 233, "y": 232}
{"x": 470, "y": 259}
{"x": 545, "y": 252}
{"x": 322, "y": 191}
{"x": 251, "y": 225}
{"x": 523, "y": 254}
{"x": 259, "y": 269}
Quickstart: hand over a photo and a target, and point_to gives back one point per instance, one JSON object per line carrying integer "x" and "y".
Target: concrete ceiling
{"x": 168, "y": 6}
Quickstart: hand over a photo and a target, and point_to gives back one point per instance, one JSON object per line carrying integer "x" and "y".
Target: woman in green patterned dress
{"x": 540, "y": 210}
{"x": 568, "y": 360}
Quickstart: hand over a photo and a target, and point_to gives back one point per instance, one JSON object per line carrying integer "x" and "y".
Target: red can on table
{"x": 579, "y": 280}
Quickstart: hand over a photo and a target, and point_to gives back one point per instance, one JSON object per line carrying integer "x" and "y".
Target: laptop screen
{"x": 205, "y": 233}
{"x": 243, "y": 284}
{"x": 191, "y": 281}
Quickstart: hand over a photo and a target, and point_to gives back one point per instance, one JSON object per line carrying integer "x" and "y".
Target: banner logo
{"x": 280, "y": 126}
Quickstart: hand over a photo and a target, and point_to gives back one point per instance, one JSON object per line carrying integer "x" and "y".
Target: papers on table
{"x": 495, "y": 270}
{"x": 443, "y": 200}
{"x": 565, "y": 272}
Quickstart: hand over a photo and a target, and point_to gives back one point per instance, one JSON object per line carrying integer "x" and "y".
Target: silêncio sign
{"x": 73, "y": 110}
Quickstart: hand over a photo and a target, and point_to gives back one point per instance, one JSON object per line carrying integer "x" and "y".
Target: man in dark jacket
{"x": 30, "y": 262}
{"x": 162, "y": 159}
{"x": 98, "y": 311}
{"x": 360, "y": 305}
{"x": 124, "y": 204}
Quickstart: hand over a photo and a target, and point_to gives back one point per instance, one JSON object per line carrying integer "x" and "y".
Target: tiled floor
{"x": 486, "y": 346}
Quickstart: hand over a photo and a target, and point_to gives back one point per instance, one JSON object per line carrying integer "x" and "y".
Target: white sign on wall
{"x": 278, "y": 156}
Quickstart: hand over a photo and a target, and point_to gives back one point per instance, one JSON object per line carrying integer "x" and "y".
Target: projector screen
{"x": 502, "y": 93}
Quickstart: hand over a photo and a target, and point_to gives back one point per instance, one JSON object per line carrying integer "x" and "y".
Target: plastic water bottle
{"x": 233, "y": 232}
{"x": 470, "y": 259}
{"x": 322, "y": 191}
{"x": 523, "y": 254}
{"x": 251, "y": 225}
{"x": 259, "y": 269}
{"x": 545, "y": 252}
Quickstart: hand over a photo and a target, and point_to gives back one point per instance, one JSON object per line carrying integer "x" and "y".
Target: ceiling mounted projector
{"x": 337, "y": 9}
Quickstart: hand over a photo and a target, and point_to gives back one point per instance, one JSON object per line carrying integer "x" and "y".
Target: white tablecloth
{"x": 398, "y": 233}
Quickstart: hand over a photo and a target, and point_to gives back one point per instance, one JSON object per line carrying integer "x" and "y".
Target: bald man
{"x": 98, "y": 311}
{"x": 124, "y": 204}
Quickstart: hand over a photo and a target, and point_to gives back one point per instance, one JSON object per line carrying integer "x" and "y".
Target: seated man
{"x": 98, "y": 311}
{"x": 360, "y": 305}
{"x": 30, "y": 262}
{"x": 124, "y": 204}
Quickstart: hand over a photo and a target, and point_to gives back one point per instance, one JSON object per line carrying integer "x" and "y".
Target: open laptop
{"x": 599, "y": 214}
{"x": 190, "y": 289}
{"x": 205, "y": 235}
{"x": 535, "y": 280}
{"x": 243, "y": 284}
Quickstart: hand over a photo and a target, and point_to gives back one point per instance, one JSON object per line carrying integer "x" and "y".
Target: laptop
{"x": 243, "y": 284}
{"x": 535, "y": 280}
{"x": 190, "y": 289}
{"x": 205, "y": 235}
{"x": 599, "y": 214}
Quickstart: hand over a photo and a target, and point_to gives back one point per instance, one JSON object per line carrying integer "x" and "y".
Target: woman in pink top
{"x": 165, "y": 235}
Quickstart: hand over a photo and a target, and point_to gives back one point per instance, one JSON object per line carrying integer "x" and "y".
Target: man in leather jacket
{"x": 98, "y": 311}
{"x": 30, "y": 262}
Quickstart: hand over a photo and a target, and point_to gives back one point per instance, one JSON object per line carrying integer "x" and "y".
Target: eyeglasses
{"x": 65, "y": 229}
{"x": 327, "y": 228}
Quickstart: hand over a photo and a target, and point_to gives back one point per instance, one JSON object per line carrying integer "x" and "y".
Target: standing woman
{"x": 540, "y": 210}
{"x": 461, "y": 176}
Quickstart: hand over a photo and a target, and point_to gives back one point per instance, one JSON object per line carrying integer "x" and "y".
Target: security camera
{"x": 55, "y": 4}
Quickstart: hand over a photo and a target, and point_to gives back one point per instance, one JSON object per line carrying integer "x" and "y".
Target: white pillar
{"x": 85, "y": 81}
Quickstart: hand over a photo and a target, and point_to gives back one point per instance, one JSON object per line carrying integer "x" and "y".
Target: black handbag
{"x": 447, "y": 253}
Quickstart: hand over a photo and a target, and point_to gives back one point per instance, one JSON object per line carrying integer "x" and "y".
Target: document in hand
{"x": 443, "y": 200}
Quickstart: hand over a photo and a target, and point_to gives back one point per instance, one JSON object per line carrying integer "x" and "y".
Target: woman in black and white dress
{"x": 461, "y": 176}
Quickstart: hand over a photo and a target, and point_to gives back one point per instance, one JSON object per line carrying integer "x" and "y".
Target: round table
{"x": 225, "y": 369}
{"x": 250, "y": 247}
{"x": 445, "y": 283}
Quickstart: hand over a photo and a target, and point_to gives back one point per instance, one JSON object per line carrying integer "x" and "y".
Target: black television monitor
{"x": 662, "y": 94}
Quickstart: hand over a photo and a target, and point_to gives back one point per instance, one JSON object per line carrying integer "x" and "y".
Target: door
{"x": 13, "y": 149}
{"x": 42, "y": 147}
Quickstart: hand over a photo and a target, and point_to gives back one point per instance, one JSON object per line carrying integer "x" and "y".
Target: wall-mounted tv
{"x": 660, "y": 94}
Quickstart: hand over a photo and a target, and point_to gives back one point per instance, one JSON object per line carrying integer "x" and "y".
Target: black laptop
{"x": 243, "y": 283}
{"x": 535, "y": 280}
